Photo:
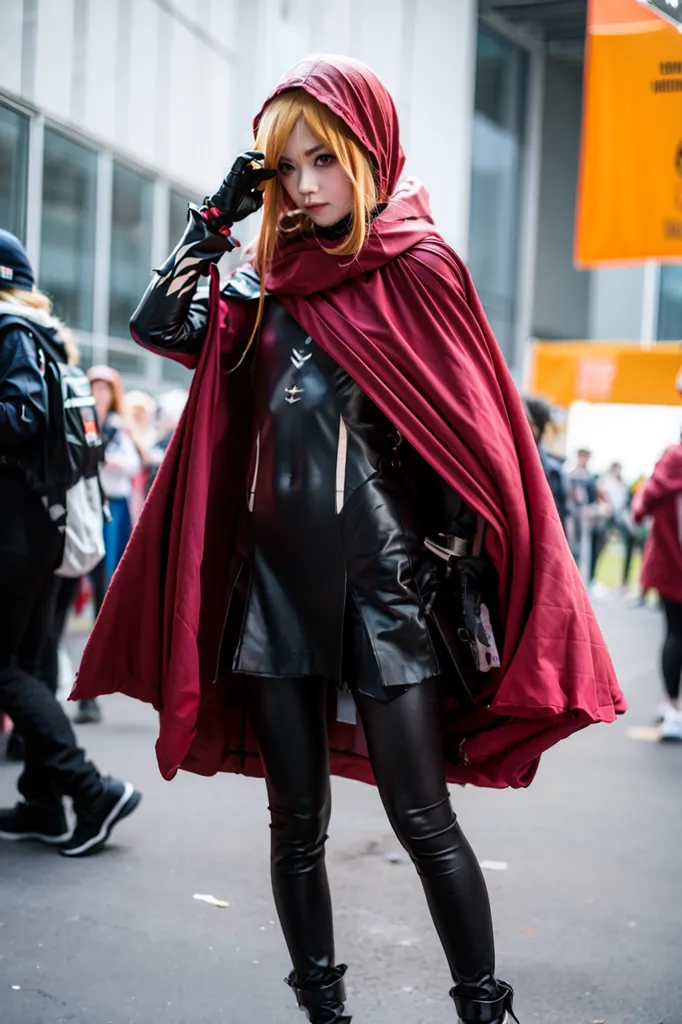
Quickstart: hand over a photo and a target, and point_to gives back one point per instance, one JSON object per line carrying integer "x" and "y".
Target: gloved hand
{"x": 240, "y": 194}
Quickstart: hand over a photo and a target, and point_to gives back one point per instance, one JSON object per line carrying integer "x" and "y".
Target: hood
{"x": 46, "y": 325}
{"x": 355, "y": 94}
{"x": 300, "y": 265}
{"x": 668, "y": 472}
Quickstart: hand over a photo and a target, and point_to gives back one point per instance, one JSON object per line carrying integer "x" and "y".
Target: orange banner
{"x": 630, "y": 192}
{"x": 564, "y": 372}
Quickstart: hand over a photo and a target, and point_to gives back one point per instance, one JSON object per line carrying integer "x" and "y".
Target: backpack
{"x": 85, "y": 505}
{"x": 67, "y": 477}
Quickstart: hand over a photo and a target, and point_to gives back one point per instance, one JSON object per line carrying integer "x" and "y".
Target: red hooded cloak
{"x": 403, "y": 319}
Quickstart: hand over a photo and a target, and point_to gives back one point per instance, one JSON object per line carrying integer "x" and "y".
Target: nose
{"x": 307, "y": 183}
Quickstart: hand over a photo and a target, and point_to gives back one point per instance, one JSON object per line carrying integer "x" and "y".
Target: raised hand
{"x": 240, "y": 194}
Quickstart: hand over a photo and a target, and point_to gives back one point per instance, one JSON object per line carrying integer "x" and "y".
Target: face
{"x": 104, "y": 396}
{"x": 583, "y": 458}
{"x": 313, "y": 178}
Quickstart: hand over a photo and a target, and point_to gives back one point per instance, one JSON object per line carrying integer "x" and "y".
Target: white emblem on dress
{"x": 298, "y": 358}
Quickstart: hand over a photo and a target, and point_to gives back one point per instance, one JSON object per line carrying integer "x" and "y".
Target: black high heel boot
{"x": 322, "y": 1001}
{"x": 487, "y": 1011}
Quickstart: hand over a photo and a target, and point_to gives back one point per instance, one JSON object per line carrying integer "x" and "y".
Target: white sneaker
{"x": 660, "y": 713}
{"x": 671, "y": 726}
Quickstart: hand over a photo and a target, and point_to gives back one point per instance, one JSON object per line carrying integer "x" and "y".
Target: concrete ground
{"x": 585, "y": 868}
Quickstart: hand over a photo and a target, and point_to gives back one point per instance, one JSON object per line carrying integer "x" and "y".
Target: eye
{"x": 325, "y": 160}
{"x": 285, "y": 167}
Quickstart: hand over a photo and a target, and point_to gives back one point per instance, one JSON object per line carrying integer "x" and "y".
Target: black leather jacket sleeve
{"x": 23, "y": 397}
{"x": 171, "y": 323}
{"x": 173, "y": 313}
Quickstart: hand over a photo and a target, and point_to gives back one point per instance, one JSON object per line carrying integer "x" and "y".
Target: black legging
{"x": 405, "y": 748}
{"x": 672, "y": 648}
{"x": 29, "y": 548}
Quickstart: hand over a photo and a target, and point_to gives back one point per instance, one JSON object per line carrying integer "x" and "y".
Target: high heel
{"x": 487, "y": 1011}
{"x": 322, "y": 1001}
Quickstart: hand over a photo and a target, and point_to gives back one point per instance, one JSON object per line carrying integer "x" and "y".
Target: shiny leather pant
{"x": 404, "y": 742}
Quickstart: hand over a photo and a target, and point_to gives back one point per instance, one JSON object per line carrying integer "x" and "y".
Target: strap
{"x": 479, "y": 537}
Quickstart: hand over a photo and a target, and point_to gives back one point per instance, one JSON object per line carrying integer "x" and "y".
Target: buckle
{"x": 451, "y": 546}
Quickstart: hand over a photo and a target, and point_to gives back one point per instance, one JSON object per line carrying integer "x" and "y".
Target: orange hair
{"x": 276, "y": 124}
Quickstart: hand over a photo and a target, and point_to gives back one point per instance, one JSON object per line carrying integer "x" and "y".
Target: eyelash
{"x": 287, "y": 168}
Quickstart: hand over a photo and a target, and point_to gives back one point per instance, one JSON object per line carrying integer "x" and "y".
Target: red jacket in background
{"x": 661, "y": 498}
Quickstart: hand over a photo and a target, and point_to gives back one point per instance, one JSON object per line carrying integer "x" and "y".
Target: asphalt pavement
{"x": 582, "y": 867}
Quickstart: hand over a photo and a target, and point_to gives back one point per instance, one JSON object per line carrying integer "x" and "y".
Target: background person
{"x": 586, "y": 534}
{"x": 170, "y": 409}
{"x": 660, "y": 499}
{"x": 122, "y": 463}
{"x": 617, "y": 495}
{"x": 139, "y": 409}
{"x": 540, "y": 418}
{"x": 32, "y": 499}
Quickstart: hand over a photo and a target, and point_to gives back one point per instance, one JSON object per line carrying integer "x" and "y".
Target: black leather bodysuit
{"x": 336, "y": 583}
{"x": 335, "y": 580}
{"x": 334, "y": 566}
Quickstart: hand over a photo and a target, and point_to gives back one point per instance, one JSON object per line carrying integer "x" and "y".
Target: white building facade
{"x": 115, "y": 113}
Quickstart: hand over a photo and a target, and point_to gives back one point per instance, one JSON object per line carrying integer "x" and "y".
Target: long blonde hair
{"x": 35, "y": 299}
{"x": 276, "y": 124}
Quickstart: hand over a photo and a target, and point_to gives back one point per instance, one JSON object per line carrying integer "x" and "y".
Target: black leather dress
{"x": 335, "y": 581}
{"x": 334, "y": 569}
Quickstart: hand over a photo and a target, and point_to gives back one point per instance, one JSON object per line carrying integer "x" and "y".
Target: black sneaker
{"x": 88, "y": 713}
{"x": 95, "y": 821}
{"x": 34, "y": 821}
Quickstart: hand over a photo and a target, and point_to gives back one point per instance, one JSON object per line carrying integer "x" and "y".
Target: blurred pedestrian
{"x": 171, "y": 407}
{"x": 122, "y": 463}
{"x": 138, "y": 416}
{"x": 617, "y": 495}
{"x": 32, "y": 503}
{"x": 281, "y": 582}
{"x": 587, "y": 520}
{"x": 540, "y": 418}
{"x": 660, "y": 498}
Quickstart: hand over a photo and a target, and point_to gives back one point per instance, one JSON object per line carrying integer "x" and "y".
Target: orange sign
{"x": 630, "y": 192}
{"x": 564, "y": 372}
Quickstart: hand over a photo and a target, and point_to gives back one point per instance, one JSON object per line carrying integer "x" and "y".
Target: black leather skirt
{"x": 353, "y": 607}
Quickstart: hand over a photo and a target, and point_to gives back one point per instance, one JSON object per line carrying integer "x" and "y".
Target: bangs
{"x": 276, "y": 124}
{"x": 281, "y": 115}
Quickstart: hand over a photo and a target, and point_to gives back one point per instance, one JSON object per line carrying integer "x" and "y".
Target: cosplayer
{"x": 350, "y": 561}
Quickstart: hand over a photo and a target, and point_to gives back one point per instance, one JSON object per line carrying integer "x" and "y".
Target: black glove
{"x": 198, "y": 240}
{"x": 239, "y": 195}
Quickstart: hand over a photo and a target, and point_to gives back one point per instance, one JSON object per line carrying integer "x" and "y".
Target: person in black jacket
{"x": 31, "y": 545}
{"x": 539, "y": 418}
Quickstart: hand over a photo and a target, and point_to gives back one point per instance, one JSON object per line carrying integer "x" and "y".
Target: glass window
{"x": 67, "y": 237}
{"x": 85, "y": 354}
{"x": 131, "y": 240}
{"x": 13, "y": 168}
{"x": 127, "y": 359}
{"x": 177, "y": 218}
{"x": 496, "y": 179}
{"x": 175, "y": 373}
{"x": 670, "y": 304}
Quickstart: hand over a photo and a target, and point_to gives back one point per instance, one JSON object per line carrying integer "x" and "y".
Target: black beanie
{"x": 15, "y": 269}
